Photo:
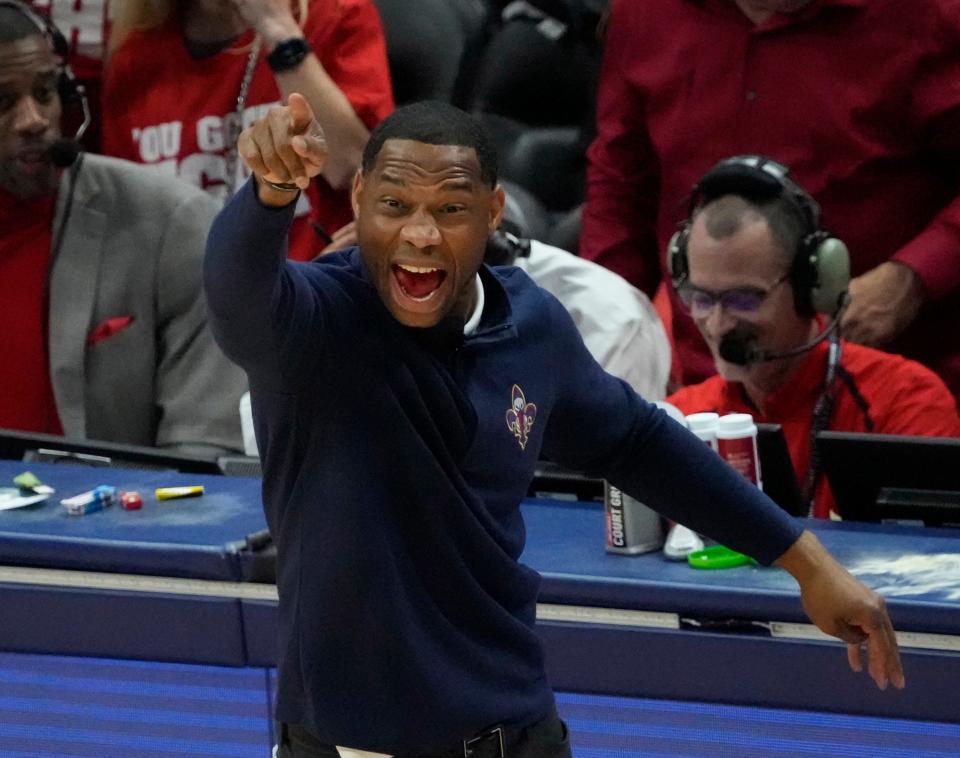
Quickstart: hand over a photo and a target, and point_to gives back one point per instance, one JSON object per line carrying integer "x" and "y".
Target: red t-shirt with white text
{"x": 165, "y": 109}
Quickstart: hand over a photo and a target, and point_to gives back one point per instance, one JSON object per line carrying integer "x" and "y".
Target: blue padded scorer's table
{"x": 190, "y": 537}
{"x": 183, "y": 619}
{"x": 565, "y": 544}
{"x": 721, "y": 651}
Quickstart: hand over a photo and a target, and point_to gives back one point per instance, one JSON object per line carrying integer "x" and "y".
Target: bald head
{"x": 727, "y": 215}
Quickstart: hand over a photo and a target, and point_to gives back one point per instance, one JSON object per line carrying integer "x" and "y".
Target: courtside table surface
{"x": 201, "y": 537}
{"x": 594, "y": 614}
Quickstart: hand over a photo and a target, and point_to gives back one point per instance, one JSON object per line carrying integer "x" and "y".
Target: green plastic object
{"x": 718, "y": 557}
{"x": 26, "y": 481}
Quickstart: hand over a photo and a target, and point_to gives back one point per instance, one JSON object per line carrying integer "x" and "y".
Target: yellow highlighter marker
{"x": 169, "y": 493}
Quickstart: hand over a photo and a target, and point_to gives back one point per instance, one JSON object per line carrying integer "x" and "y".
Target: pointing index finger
{"x": 301, "y": 115}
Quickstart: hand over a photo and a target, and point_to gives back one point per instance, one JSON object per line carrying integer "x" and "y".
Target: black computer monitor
{"x": 776, "y": 470}
{"x": 888, "y": 478}
{"x": 553, "y": 481}
{"x": 47, "y": 448}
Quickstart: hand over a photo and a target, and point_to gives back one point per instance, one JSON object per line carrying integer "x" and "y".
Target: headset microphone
{"x": 738, "y": 349}
{"x": 64, "y": 152}
{"x": 741, "y": 349}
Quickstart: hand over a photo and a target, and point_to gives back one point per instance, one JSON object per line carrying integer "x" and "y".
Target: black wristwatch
{"x": 288, "y": 54}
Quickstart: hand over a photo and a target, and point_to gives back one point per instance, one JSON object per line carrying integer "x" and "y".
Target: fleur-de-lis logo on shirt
{"x": 520, "y": 416}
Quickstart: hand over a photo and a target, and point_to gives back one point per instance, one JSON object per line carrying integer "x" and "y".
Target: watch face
{"x": 288, "y": 54}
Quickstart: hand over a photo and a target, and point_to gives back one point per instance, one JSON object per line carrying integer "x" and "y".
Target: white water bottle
{"x": 704, "y": 425}
{"x": 737, "y": 445}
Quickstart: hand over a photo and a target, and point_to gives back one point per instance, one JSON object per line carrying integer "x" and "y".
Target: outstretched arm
{"x": 601, "y": 426}
{"x": 262, "y": 312}
{"x": 843, "y": 607}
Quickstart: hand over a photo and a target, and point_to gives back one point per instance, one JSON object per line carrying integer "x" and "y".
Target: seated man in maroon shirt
{"x": 102, "y": 319}
{"x": 861, "y": 98}
{"x": 764, "y": 283}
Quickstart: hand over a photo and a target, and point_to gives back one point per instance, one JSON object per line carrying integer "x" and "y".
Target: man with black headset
{"x": 765, "y": 285}
{"x": 102, "y": 320}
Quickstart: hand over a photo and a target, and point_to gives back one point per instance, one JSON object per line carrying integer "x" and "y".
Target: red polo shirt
{"x": 902, "y": 397}
{"x": 26, "y": 395}
{"x": 861, "y": 98}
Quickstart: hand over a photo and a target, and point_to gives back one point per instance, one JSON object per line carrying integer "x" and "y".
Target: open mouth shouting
{"x": 417, "y": 288}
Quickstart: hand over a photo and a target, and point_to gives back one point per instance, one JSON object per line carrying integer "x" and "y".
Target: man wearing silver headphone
{"x": 102, "y": 319}
{"x": 766, "y": 286}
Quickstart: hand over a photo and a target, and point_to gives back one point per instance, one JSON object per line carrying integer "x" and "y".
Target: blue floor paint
{"x": 69, "y": 707}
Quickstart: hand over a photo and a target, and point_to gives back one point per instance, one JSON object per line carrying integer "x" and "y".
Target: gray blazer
{"x": 131, "y": 357}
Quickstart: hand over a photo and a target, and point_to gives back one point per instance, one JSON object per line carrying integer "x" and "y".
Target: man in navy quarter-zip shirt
{"x": 402, "y": 394}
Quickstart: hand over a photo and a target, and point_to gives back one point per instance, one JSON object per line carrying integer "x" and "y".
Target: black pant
{"x": 548, "y": 738}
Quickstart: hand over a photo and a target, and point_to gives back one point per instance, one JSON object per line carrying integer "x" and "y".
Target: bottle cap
{"x": 704, "y": 425}
{"x": 736, "y": 425}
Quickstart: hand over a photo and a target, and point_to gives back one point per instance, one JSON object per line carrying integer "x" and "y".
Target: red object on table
{"x": 131, "y": 501}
